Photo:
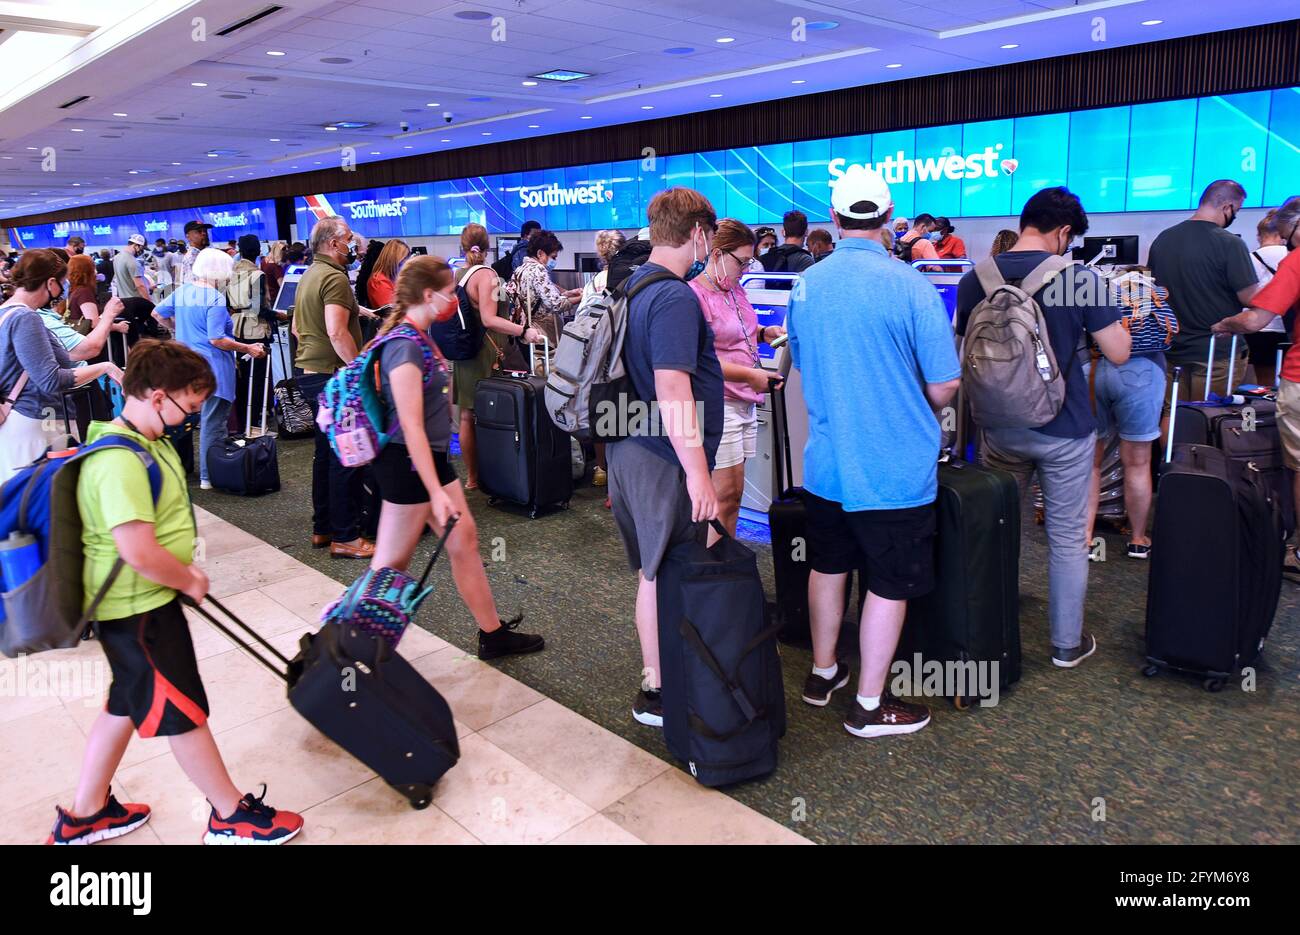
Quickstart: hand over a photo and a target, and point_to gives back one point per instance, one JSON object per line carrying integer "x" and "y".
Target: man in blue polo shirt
{"x": 875, "y": 349}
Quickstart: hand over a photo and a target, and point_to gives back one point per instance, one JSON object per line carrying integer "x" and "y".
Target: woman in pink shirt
{"x": 736, "y": 337}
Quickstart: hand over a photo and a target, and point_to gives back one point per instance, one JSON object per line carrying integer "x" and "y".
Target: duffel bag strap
{"x": 692, "y": 636}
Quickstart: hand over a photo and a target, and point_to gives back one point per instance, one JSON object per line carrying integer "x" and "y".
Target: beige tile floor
{"x": 531, "y": 771}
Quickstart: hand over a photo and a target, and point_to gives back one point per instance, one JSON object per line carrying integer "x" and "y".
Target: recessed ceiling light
{"x": 822, "y": 24}
{"x": 293, "y": 167}
{"x": 331, "y": 128}
{"x": 407, "y": 147}
{"x": 31, "y": 147}
{"x": 274, "y": 139}
{"x": 212, "y": 155}
{"x": 529, "y": 84}
{"x": 486, "y": 133}
{"x": 561, "y": 74}
{"x": 585, "y": 117}
{"x": 1152, "y": 22}
{"x": 534, "y": 126}
{"x": 76, "y": 130}
{"x": 275, "y": 53}
{"x": 374, "y": 152}
{"x": 798, "y": 81}
{"x": 351, "y": 124}
{"x": 446, "y": 141}
{"x": 434, "y": 104}
{"x": 473, "y": 15}
{"x": 78, "y": 185}
{"x": 1011, "y": 45}
{"x": 198, "y": 84}
{"x": 119, "y": 115}
{"x": 647, "y": 107}
{"x": 679, "y": 50}
{"x": 175, "y": 163}
{"x": 133, "y": 172}
{"x": 895, "y": 65}
{"x": 715, "y": 95}
{"x": 725, "y": 39}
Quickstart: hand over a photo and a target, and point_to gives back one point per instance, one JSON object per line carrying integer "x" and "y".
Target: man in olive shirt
{"x": 1210, "y": 277}
{"x": 327, "y": 324}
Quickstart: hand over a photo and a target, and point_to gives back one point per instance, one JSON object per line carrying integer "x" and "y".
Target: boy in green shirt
{"x": 156, "y": 688}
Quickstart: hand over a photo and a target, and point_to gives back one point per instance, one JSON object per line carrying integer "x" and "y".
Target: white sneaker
{"x": 205, "y": 485}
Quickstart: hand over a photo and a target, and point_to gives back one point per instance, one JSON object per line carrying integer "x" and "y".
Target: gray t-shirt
{"x": 125, "y": 269}
{"x": 437, "y": 412}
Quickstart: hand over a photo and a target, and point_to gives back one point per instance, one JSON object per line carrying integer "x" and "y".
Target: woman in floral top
{"x": 535, "y": 301}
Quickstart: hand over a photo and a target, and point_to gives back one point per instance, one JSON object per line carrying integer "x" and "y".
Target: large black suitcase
{"x": 1246, "y": 432}
{"x": 246, "y": 464}
{"x": 523, "y": 457}
{"x": 370, "y": 701}
{"x": 973, "y": 613}
{"x": 1216, "y": 569}
{"x": 723, "y": 695}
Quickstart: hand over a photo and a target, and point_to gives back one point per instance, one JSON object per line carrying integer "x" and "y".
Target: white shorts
{"x": 739, "y": 434}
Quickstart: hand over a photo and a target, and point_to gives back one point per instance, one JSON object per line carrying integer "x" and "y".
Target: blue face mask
{"x": 935, "y": 237}
{"x": 550, "y": 264}
{"x": 697, "y": 266}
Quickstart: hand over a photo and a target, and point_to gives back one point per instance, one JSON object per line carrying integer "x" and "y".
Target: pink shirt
{"x": 733, "y": 321}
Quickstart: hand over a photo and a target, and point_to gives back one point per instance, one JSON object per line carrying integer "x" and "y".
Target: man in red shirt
{"x": 1278, "y": 297}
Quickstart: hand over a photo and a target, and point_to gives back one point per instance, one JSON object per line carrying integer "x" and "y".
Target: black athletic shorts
{"x": 895, "y": 548}
{"x": 155, "y": 676}
{"x": 1263, "y": 346}
{"x": 398, "y": 480}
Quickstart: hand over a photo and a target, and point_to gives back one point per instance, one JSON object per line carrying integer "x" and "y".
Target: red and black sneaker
{"x": 253, "y": 822}
{"x": 111, "y": 821}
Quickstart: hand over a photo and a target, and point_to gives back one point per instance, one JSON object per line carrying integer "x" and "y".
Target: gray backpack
{"x": 1008, "y": 368}
{"x": 590, "y": 352}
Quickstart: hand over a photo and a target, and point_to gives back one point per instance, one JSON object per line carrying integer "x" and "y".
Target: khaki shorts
{"x": 1191, "y": 382}
{"x": 1288, "y": 422}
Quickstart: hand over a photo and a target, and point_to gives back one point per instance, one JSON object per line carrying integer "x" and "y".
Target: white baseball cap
{"x": 137, "y": 239}
{"x": 860, "y": 184}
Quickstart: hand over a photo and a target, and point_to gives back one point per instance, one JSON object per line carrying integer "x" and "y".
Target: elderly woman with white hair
{"x": 203, "y": 323}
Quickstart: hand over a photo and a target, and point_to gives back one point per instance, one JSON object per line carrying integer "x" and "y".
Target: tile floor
{"x": 531, "y": 771}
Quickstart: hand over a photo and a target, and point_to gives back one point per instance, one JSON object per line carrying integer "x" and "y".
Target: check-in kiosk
{"x": 281, "y": 349}
{"x": 769, "y": 293}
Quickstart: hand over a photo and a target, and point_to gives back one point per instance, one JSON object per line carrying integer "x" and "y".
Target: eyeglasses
{"x": 188, "y": 412}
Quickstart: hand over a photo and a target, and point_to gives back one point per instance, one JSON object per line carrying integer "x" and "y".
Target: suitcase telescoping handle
{"x": 437, "y": 549}
{"x": 238, "y": 641}
{"x": 783, "y": 461}
{"x": 1173, "y": 415}
{"x": 1209, "y": 367}
{"x": 546, "y": 357}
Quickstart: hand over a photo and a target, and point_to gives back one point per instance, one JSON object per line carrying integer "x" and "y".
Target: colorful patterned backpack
{"x": 351, "y": 406}
{"x": 383, "y": 601}
{"x": 1150, "y": 321}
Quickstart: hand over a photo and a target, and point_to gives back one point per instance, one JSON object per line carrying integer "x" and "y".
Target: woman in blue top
{"x": 203, "y": 323}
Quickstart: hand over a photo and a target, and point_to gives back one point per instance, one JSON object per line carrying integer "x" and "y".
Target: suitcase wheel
{"x": 419, "y": 796}
{"x": 1150, "y": 670}
{"x": 1213, "y": 685}
{"x": 493, "y": 501}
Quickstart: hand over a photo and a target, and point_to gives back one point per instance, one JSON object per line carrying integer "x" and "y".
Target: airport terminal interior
{"x": 834, "y": 179}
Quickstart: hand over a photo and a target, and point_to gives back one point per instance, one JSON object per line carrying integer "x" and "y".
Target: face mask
{"x": 722, "y": 282}
{"x": 550, "y": 264}
{"x": 1290, "y": 245}
{"x": 697, "y": 265}
{"x": 935, "y": 237}
{"x": 451, "y": 305}
{"x": 351, "y": 256}
{"x": 1228, "y": 223}
{"x": 54, "y": 298}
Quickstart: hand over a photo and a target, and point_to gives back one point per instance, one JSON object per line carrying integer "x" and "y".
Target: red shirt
{"x": 379, "y": 288}
{"x": 1280, "y": 295}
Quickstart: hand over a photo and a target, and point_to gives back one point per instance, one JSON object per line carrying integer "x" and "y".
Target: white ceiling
{"x": 140, "y": 58}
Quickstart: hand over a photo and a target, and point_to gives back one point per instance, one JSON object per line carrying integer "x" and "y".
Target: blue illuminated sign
{"x": 228, "y": 223}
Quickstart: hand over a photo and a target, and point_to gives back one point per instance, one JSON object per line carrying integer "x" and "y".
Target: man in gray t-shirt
{"x": 126, "y": 270}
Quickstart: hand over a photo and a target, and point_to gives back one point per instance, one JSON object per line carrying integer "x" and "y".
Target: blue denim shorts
{"x": 1130, "y": 397}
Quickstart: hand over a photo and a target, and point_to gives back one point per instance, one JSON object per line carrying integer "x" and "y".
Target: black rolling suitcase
{"x": 1246, "y": 432}
{"x": 973, "y": 613}
{"x": 246, "y": 464}
{"x": 787, "y": 526}
{"x": 523, "y": 457}
{"x": 723, "y": 695}
{"x": 359, "y": 693}
{"x": 1216, "y": 568}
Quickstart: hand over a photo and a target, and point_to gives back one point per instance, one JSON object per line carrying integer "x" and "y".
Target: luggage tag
{"x": 352, "y": 444}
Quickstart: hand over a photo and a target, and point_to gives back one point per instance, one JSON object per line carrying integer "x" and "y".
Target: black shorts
{"x": 1263, "y": 347}
{"x": 155, "y": 676}
{"x": 398, "y": 480}
{"x": 895, "y": 548}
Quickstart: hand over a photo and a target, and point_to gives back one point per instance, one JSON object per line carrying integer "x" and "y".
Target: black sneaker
{"x": 817, "y": 690}
{"x": 648, "y": 709}
{"x": 892, "y": 716}
{"x": 506, "y": 642}
{"x": 1140, "y": 552}
{"x": 1069, "y": 658}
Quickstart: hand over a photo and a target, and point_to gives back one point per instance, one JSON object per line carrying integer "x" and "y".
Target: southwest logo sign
{"x": 902, "y": 168}
{"x": 554, "y": 196}
{"x": 375, "y": 209}
{"x": 319, "y": 206}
